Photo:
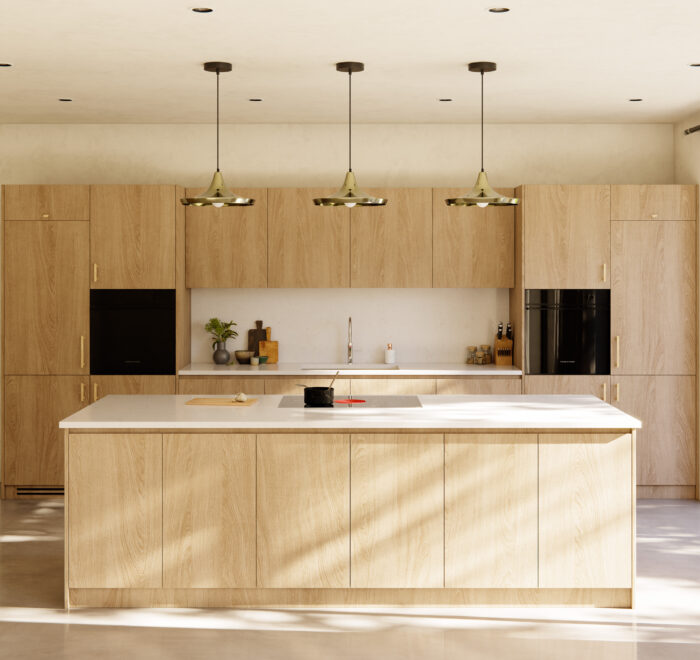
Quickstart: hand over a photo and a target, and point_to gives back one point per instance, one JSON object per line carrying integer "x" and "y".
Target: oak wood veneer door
{"x": 653, "y": 298}
{"x": 360, "y": 386}
{"x": 52, "y": 202}
{"x": 303, "y": 504}
{"x": 227, "y": 247}
{"x": 397, "y": 510}
{"x": 653, "y": 202}
{"x": 391, "y": 246}
{"x": 566, "y": 236}
{"x": 209, "y": 510}
{"x": 33, "y": 443}
{"x": 471, "y": 385}
{"x": 132, "y": 236}
{"x": 220, "y": 385}
{"x": 101, "y": 386}
{"x": 491, "y": 511}
{"x": 115, "y": 510}
{"x": 281, "y": 385}
{"x": 309, "y": 246}
{"x": 472, "y": 247}
{"x": 585, "y": 505}
{"x": 47, "y": 286}
{"x": 596, "y": 385}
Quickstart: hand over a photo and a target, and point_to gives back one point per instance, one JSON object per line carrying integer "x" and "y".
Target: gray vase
{"x": 221, "y": 355}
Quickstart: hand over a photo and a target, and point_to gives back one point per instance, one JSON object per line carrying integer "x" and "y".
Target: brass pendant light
{"x": 482, "y": 194}
{"x": 349, "y": 194}
{"x": 217, "y": 194}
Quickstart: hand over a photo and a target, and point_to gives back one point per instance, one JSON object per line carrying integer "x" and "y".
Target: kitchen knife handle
{"x": 617, "y": 351}
{"x": 94, "y": 272}
{"x": 94, "y": 391}
{"x": 82, "y": 351}
{"x": 605, "y": 391}
{"x": 82, "y": 392}
{"x": 617, "y": 392}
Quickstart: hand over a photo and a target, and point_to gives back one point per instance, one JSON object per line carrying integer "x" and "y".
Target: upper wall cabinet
{"x": 666, "y": 202}
{"x": 390, "y": 246}
{"x": 566, "y": 236}
{"x": 227, "y": 247}
{"x": 132, "y": 236}
{"x": 47, "y": 202}
{"x": 309, "y": 245}
{"x": 472, "y": 247}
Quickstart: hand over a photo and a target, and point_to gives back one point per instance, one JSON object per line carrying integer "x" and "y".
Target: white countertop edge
{"x": 298, "y": 369}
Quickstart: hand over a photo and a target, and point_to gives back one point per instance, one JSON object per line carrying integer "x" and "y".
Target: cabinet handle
{"x": 617, "y": 392}
{"x": 605, "y": 272}
{"x": 44, "y": 216}
{"x": 654, "y": 216}
{"x": 82, "y": 351}
{"x": 94, "y": 272}
{"x": 617, "y": 351}
{"x": 94, "y": 391}
{"x": 605, "y": 391}
{"x": 82, "y": 392}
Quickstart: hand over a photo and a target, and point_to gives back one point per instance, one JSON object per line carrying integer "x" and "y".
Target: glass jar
{"x": 471, "y": 354}
{"x": 486, "y": 350}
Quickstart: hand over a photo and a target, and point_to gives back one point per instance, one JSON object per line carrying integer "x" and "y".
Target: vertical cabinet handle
{"x": 82, "y": 351}
{"x": 605, "y": 272}
{"x": 94, "y": 391}
{"x": 605, "y": 391}
{"x": 617, "y": 392}
{"x": 82, "y": 392}
{"x": 654, "y": 216}
{"x": 94, "y": 272}
{"x": 617, "y": 351}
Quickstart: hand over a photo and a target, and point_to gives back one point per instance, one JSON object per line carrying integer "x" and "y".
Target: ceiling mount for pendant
{"x": 349, "y": 194}
{"x": 217, "y": 194}
{"x": 482, "y": 194}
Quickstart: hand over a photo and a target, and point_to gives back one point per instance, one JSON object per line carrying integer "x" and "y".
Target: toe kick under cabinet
{"x": 312, "y": 518}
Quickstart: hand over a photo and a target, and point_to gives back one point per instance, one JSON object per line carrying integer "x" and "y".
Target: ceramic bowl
{"x": 243, "y": 357}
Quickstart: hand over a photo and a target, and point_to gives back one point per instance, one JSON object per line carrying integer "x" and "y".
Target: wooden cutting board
{"x": 271, "y": 349}
{"x": 219, "y": 402}
{"x": 256, "y": 335}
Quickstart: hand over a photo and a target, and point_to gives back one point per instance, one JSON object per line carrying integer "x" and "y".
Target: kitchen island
{"x": 424, "y": 500}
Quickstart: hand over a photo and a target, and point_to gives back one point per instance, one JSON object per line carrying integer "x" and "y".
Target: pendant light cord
{"x": 217, "y": 121}
{"x": 482, "y": 121}
{"x": 350, "y": 121}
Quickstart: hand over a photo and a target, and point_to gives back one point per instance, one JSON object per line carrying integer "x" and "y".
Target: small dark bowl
{"x": 318, "y": 397}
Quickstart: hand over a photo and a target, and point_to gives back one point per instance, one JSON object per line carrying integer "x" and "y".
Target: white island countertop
{"x": 437, "y": 412}
{"x": 400, "y": 369}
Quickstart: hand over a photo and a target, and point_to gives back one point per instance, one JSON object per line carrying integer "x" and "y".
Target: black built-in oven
{"x": 567, "y": 331}
{"x": 132, "y": 331}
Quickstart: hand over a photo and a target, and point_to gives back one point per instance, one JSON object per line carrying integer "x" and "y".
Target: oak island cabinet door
{"x": 33, "y": 407}
{"x": 585, "y": 511}
{"x": 309, "y": 246}
{"x": 566, "y": 236}
{"x": 209, "y": 510}
{"x": 47, "y": 287}
{"x": 132, "y": 236}
{"x": 303, "y": 504}
{"x": 52, "y": 202}
{"x": 115, "y": 510}
{"x": 491, "y": 511}
{"x": 227, "y": 247}
{"x": 391, "y": 246}
{"x": 397, "y": 510}
{"x": 472, "y": 247}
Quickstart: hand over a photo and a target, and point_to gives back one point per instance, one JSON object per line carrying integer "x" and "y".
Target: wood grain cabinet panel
{"x": 653, "y": 202}
{"x": 477, "y": 385}
{"x": 491, "y": 511}
{"x": 596, "y": 385}
{"x": 653, "y": 298}
{"x": 585, "y": 511}
{"x": 33, "y": 454}
{"x": 46, "y": 286}
{"x": 566, "y": 236}
{"x": 101, "y": 386}
{"x": 472, "y": 247}
{"x": 132, "y": 236}
{"x": 397, "y": 510}
{"x": 220, "y": 385}
{"x": 281, "y": 385}
{"x": 666, "y": 442}
{"x": 303, "y": 504}
{"x": 390, "y": 246}
{"x": 115, "y": 510}
{"x": 361, "y": 386}
{"x": 309, "y": 246}
{"x": 227, "y": 247}
{"x": 54, "y": 202}
{"x": 209, "y": 511}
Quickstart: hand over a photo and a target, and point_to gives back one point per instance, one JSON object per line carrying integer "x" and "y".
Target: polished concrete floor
{"x": 665, "y": 623}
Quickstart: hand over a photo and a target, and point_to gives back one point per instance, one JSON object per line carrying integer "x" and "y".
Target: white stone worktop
{"x": 326, "y": 368}
{"x": 437, "y": 412}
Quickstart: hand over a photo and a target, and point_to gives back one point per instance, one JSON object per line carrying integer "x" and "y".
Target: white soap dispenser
{"x": 389, "y": 355}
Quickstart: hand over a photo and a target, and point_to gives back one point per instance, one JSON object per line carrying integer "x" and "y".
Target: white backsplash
{"x": 424, "y": 325}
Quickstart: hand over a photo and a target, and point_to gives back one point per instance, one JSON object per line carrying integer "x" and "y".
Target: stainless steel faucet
{"x": 349, "y": 339}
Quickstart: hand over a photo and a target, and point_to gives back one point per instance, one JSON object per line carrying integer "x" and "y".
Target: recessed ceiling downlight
{"x": 5, "y": 64}
{"x": 255, "y": 100}
{"x": 694, "y": 64}
{"x": 444, "y": 100}
{"x": 202, "y": 10}
{"x": 66, "y": 100}
{"x": 499, "y": 10}
{"x": 635, "y": 100}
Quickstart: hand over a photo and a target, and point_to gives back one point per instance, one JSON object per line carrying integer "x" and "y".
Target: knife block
{"x": 502, "y": 351}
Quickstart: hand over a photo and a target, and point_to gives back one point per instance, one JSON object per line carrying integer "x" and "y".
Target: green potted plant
{"x": 220, "y": 332}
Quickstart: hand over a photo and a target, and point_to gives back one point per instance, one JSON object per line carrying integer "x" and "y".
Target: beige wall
{"x": 307, "y": 154}
{"x": 687, "y": 151}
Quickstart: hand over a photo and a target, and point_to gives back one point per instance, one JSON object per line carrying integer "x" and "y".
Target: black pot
{"x": 318, "y": 397}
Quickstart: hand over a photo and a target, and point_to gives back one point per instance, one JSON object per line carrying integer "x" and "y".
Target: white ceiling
{"x": 139, "y": 61}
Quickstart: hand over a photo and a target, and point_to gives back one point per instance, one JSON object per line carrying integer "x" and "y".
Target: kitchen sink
{"x": 349, "y": 367}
